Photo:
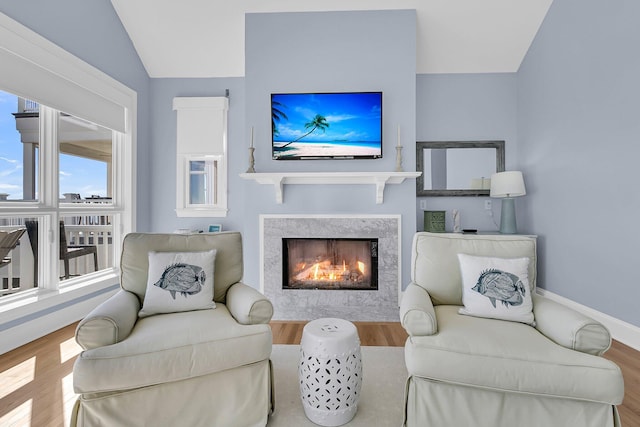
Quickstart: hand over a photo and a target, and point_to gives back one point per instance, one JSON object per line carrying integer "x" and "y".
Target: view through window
{"x": 79, "y": 215}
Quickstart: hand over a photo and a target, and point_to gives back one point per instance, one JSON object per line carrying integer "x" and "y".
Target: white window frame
{"x": 201, "y": 135}
{"x": 40, "y": 70}
{"x": 215, "y": 181}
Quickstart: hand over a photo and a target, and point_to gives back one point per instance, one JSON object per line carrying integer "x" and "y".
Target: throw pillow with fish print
{"x": 497, "y": 288}
{"x": 179, "y": 281}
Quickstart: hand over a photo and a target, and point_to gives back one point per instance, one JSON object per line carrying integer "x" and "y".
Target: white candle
{"x": 251, "y": 136}
{"x": 398, "y": 135}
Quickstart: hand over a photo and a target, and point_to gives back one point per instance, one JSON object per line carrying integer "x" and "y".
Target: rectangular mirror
{"x": 457, "y": 168}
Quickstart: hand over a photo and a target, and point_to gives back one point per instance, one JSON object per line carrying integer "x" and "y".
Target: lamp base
{"x": 508, "y": 216}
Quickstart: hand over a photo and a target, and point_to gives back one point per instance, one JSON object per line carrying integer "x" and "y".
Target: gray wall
{"x": 329, "y": 52}
{"x": 92, "y": 31}
{"x": 468, "y": 107}
{"x": 578, "y": 127}
{"x": 163, "y": 155}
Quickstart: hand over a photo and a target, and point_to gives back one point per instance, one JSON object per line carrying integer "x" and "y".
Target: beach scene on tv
{"x": 326, "y": 125}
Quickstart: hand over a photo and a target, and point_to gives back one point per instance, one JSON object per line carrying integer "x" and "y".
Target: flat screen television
{"x": 340, "y": 125}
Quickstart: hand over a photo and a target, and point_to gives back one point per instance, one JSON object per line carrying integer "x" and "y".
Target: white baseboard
{"x": 40, "y": 326}
{"x": 624, "y": 332}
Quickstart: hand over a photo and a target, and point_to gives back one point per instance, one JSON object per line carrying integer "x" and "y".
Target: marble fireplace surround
{"x": 308, "y": 304}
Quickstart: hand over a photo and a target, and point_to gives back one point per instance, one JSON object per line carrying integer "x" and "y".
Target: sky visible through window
{"x": 79, "y": 175}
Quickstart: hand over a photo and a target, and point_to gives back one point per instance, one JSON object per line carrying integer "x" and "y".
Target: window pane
{"x": 202, "y": 175}
{"x": 16, "y": 256}
{"x": 198, "y": 189}
{"x": 19, "y": 139}
{"x": 85, "y": 161}
{"x": 85, "y": 240}
{"x": 197, "y": 166}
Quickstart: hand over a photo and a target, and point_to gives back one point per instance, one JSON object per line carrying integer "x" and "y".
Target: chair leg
{"x": 66, "y": 268}
{"x": 95, "y": 261}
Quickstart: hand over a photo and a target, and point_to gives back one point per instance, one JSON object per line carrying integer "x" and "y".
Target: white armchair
{"x": 473, "y": 371}
{"x": 194, "y": 368}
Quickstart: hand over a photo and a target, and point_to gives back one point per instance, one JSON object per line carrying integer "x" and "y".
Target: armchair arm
{"x": 569, "y": 328}
{"x": 417, "y": 314}
{"x": 110, "y": 322}
{"x": 247, "y": 305}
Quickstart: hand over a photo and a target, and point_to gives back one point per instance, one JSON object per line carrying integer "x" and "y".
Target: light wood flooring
{"x": 36, "y": 379}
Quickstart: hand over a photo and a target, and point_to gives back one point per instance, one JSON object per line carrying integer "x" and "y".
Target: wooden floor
{"x": 36, "y": 379}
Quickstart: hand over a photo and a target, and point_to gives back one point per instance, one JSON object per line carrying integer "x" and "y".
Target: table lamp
{"x": 507, "y": 185}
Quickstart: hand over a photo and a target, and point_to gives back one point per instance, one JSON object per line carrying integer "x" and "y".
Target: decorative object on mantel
{"x": 379, "y": 179}
{"x": 399, "y": 154}
{"x": 507, "y": 185}
{"x": 434, "y": 221}
{"x": 456, "y": 221}
{"x": 252, "y": 161}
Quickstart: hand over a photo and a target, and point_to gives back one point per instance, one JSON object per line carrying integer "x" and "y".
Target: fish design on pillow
{"x": 182, "y": 278}
{"x": 501, "y": 286}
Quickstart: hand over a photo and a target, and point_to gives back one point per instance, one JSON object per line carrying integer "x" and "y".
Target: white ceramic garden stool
{"x": 330, "y": 371}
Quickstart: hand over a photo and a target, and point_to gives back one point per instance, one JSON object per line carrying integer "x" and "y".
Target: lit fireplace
{"x": 312, "y": 263}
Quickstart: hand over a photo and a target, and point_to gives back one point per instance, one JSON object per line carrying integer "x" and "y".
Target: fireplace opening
{"x": 336, "y": 263}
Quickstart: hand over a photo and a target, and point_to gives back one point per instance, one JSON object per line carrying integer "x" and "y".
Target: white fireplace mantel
{"x": 379, "y": 179}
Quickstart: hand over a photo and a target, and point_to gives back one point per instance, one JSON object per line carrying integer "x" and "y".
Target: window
{"x": 67, "y": 150}
{"x": 203, "y": 175}
{"x": 201, "y": 152}
{"x": 79, "y": 216}
{"x": 19, "y": 141}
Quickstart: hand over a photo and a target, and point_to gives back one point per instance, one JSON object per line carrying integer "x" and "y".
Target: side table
{"x": 330, "y": 371}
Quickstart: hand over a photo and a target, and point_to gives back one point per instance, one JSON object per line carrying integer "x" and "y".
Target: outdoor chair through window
{"x": 8, "y": 242}
{"x": 67, "y": 252}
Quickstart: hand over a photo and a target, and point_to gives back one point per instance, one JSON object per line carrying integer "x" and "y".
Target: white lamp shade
{"x": 507, "y": 184}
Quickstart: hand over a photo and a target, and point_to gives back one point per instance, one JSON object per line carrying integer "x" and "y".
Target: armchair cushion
{"x": 509, "y": 356}
{"x": 110, "y": 322}
{"x": 496, "y": 288}
{"x": 569, "y": 328}
{"x": 172, "y": 347}
{"x": 179, "y": 281}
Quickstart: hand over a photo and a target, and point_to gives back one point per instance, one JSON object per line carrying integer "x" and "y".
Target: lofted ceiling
{"x": 205, "y": 38}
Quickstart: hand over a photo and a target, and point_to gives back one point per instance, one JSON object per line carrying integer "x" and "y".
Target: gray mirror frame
{"x": 423, "y": 145}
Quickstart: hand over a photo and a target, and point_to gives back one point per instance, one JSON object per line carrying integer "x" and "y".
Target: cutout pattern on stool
{"x": 330, "y": 384}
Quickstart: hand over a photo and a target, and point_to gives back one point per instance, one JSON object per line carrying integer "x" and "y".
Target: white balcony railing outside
{"x": 18, "y": 275}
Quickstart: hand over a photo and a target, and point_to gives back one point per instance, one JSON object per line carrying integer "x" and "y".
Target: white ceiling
{"x": 205, "y": 38}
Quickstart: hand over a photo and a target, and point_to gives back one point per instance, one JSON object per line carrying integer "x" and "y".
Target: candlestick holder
{"x": 252, "y": 161}
{"x": 399, "y": 158}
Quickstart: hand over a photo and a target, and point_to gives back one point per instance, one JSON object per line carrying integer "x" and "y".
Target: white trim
{"x": 280, "y": 179}
{"x": 620, "y": 330}
{"x": 44, "y": 317}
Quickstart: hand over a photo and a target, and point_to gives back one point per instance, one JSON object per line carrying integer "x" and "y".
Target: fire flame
{"x": 324, "y": 271}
